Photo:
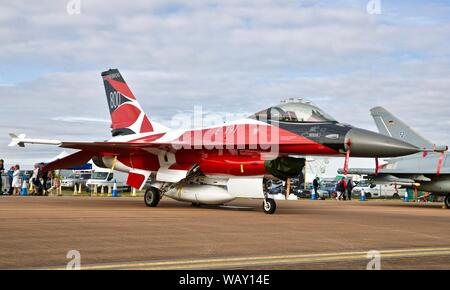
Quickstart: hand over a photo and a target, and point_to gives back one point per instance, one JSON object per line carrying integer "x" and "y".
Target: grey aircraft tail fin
{"x": 391, "y": 126}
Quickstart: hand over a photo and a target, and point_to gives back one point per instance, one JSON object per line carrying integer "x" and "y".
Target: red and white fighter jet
{"x": 218, "y": 164}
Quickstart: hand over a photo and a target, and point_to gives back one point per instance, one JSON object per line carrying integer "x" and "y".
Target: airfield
{"x": 122, "y": 233}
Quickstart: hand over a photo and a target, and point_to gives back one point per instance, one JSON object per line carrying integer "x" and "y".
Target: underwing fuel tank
{"x": 201, "y": 193}
{"x": 109, "y": 162}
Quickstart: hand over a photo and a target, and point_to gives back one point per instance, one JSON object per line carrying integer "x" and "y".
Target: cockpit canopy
{"x": 294, "y": 112}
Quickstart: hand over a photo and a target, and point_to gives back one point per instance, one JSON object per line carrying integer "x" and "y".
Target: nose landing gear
{"x": 269, "y": 206}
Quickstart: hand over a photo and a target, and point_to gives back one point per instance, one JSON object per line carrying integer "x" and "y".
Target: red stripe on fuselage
{"x": 259, "y": 137}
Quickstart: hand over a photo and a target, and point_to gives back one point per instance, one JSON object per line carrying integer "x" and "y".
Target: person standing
{"x": 341, "y": 189}
{"x": 56, "y": 183}
{"x": 316, "y": 186}
{"x": 44, "y": 176}
{"x": 37, "y": 187}
{"x": 16, "y": 180}
{"x": 349, "y": 189}
{"x": 10, "y": 180}
{"x": 2, "y": 170}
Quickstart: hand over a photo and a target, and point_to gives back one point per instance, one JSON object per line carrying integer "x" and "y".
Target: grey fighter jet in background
{"x": 428, "y": 171}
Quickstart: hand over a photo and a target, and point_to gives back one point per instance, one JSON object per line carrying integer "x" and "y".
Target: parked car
{"x": 306, "y": 192}
{"x": 378, "y": 190}
{"x": 26, "y": 173}
{"x": 75, "y": 179}
{"x": 329, "y": 185}
{"x": 106, "y": 179}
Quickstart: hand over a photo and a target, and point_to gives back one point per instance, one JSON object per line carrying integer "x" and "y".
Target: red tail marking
{"x": 146, "y": 126}
{"x": 124, "y": 116}
{"x": 122, "y": 88}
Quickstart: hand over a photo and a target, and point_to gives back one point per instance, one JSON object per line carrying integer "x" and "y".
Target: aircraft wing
{"x": 169, "y": 172}
{"x": 358, "y": 171}
{"x": 72, "y": 160}
{"x": 106, "y": 147}
{"x": 388, "y": 176}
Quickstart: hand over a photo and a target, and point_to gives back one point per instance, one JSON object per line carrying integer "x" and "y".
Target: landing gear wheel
{"x": 152, "y": 197}
{"x": 269, "y": 206}
{"x": 195, "y": 204}
{"x": 447, "y": 201}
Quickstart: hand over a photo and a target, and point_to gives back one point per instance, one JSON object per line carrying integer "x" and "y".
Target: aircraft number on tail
{"x": 114, "y": 99}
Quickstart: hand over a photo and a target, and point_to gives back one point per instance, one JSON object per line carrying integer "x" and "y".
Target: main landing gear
{"x": 152, "y": 197}
{"x": 269, "y": 206}
{"x": 447, "y": 201}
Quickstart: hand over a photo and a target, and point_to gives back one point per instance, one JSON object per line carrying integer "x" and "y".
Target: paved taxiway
{"x": 37, "y": 232}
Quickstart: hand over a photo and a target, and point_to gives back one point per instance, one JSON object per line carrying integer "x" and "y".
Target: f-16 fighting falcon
{"x": 428, "y": 171}
{"x": 218, "y": 164}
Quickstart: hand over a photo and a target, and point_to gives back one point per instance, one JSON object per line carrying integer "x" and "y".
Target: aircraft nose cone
{"x": 364, "y": 143}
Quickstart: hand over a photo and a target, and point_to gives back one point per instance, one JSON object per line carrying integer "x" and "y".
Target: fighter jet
{"x": 218, "y": 164}
{"x": 428, "y": 171}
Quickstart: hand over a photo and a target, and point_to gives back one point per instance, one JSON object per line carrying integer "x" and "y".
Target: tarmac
{"x": 122, "y": 233}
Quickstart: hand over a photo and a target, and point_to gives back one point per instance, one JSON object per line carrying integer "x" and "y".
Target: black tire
{"x": 396, "y": 196}
{"x": 152, "y": 197}
{"x": 195, "y": 204}
{"x": 368, "y": 195}
{"x": 447, "y": 201}
{"x": 269, "y": 206}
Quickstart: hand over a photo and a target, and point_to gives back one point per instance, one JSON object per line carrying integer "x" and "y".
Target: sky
{"x": 226, "y": 56}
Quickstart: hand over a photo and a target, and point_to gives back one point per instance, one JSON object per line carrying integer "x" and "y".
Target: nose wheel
{"x": 269, "y": 206}
{"x": 152, "y": 197}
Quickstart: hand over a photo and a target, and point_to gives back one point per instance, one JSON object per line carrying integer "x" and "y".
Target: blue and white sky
{"x": 227, "y": 56}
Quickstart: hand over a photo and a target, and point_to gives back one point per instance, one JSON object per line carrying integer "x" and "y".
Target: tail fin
{"x": 390, "y": 126}
{"x": 127, "y": 116}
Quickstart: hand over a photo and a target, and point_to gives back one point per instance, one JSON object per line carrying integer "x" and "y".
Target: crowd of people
{"x": 40, "y": 182}
{"x": 343, "y": 188}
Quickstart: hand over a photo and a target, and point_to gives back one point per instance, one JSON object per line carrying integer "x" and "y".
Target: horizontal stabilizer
{"x": 76, "y": 159}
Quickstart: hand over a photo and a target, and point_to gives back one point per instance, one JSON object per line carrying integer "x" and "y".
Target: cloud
{"x": 228, "y": 56}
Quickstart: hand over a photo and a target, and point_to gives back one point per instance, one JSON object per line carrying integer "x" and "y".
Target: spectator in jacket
{"x": 349, "y": 189}
{"x": 341, "y": 189}
{"x": 37, "y": 186}
{"x": 316, "y": 186}
{"x": 2, "y": 170}
{"x": 44, "y": 176}
{"x": 10, "y": 179}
